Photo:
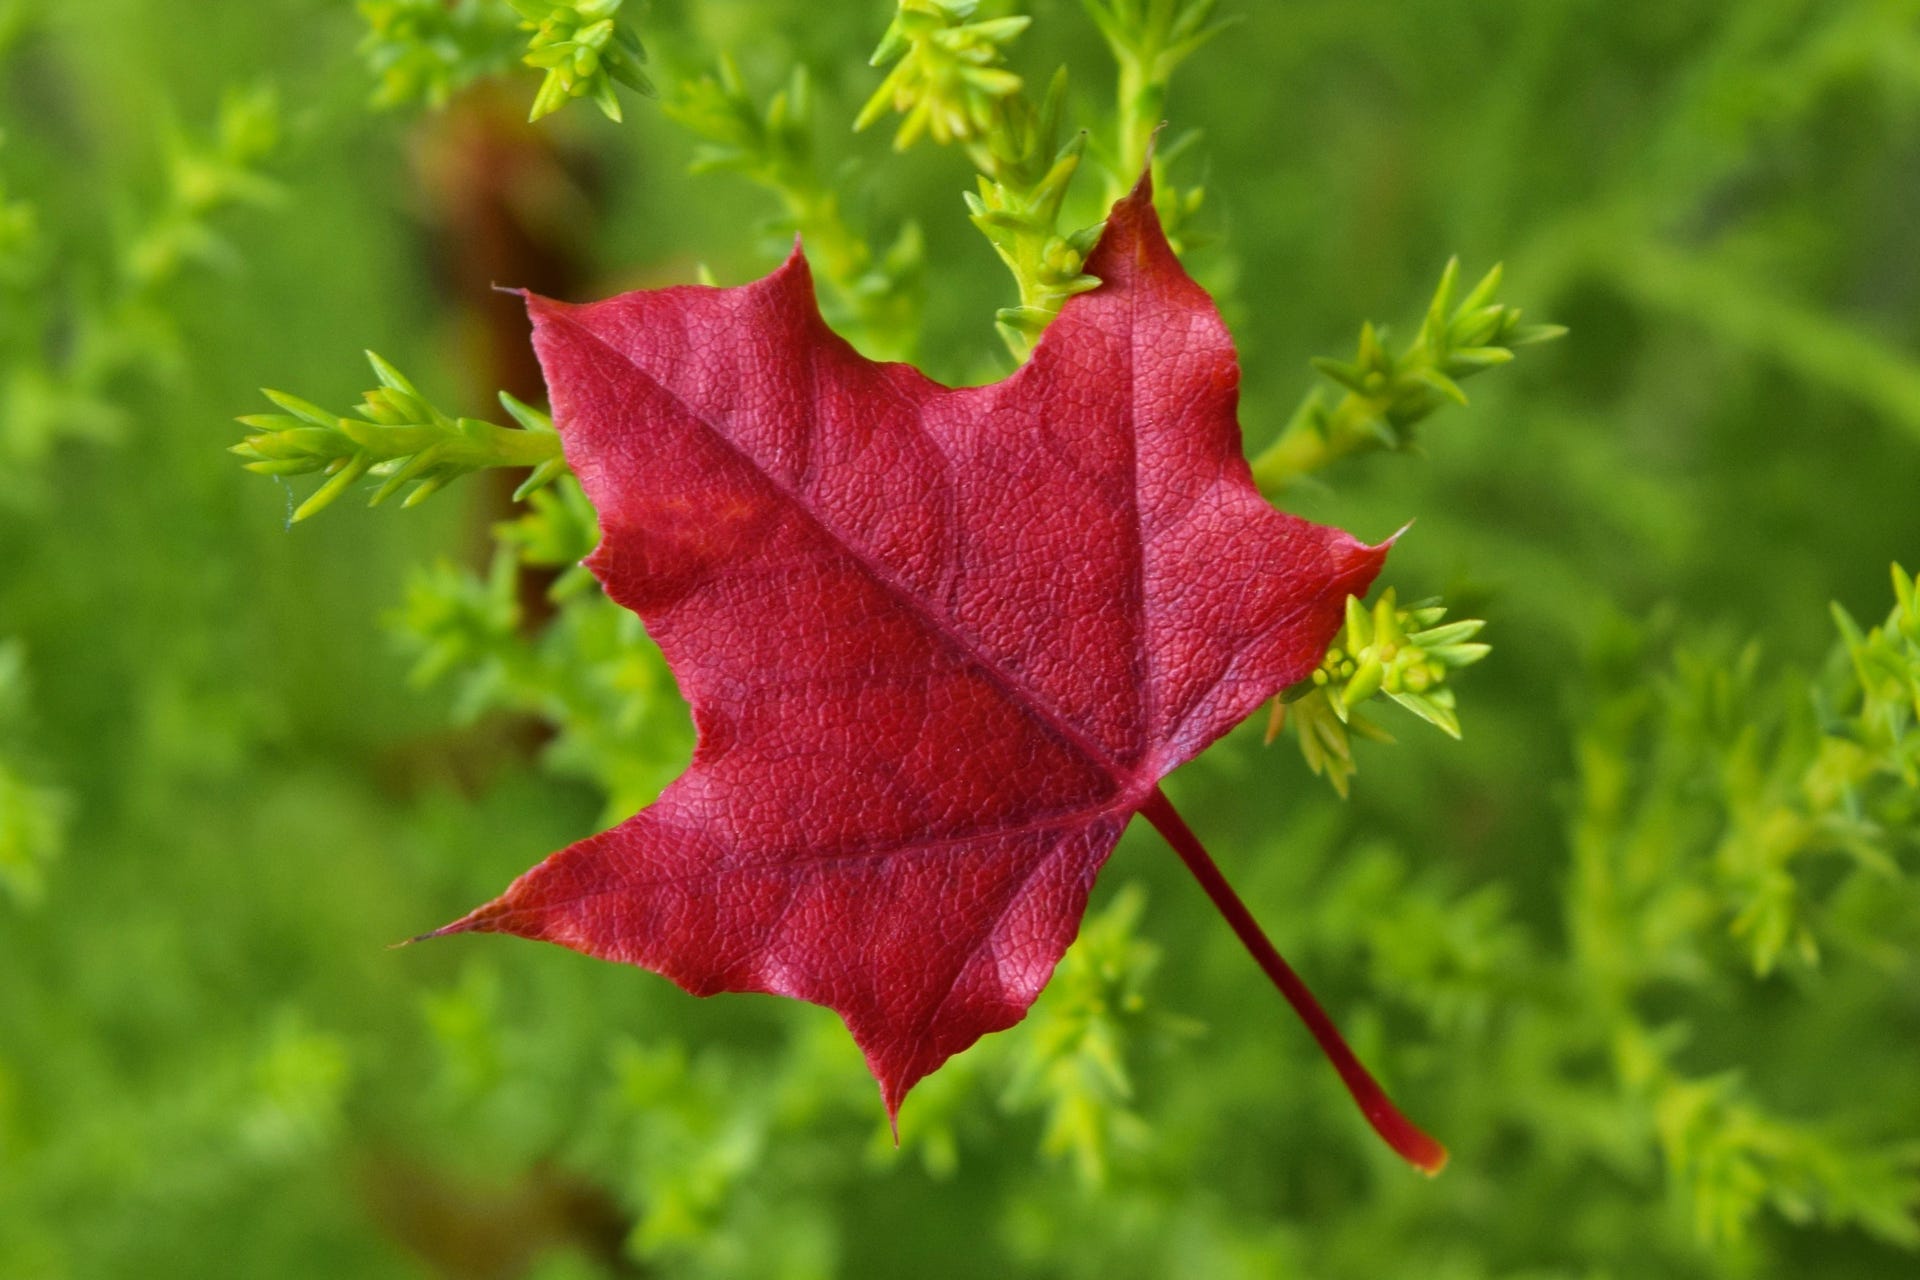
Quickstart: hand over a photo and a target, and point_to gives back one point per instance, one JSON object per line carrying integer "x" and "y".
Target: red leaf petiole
{"x": 1400, "y": 1133}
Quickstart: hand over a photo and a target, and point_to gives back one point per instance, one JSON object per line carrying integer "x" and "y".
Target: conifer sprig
{"x": 397, "y": 437}
{"x": 1405, "y": 654}
{"x": 1022, "y": 189}
{"x": 1149, "y": 40}
{"x": 1725, "y": 816}
{"x": 1070, "y": 1059}
{"x": 1885, "y": 665}
{"x": 585, "y": 49}
{"x": 426, "y": 51}
{"x": 949, "y": 83}
{"x": 86, "y": 317}
{"x": 1388, "y": 395}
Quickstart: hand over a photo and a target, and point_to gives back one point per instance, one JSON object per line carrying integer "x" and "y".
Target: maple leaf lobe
{"x": 940, "y": 644}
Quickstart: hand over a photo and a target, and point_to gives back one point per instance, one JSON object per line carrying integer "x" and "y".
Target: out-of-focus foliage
{"x": 425, "y": 51}
{"x": 1642, "y": 947}
{"x": 33, "y": 815}
{"x": 83, "y": 319}
{"x": 1728, "y": 819}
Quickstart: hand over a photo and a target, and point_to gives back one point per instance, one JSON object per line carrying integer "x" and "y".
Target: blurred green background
{"x": 1653, "y": 979}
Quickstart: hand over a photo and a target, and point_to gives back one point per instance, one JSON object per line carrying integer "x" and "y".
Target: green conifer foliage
{"x": 1642, "y": 945}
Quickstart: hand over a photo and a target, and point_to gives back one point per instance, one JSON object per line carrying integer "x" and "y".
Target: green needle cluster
{"x": 584, "y": 49}
{"x": 947, "y": 81}
{"x": 1022, "y": 187}
{"x": 1387, "y": 395}
{"x": 398, "y": 438}
{"x": 1404, "y": 654}
{"x": 948, "y": 84}
{"x": 87, "y": 309}
{"x": 205, "y": 177}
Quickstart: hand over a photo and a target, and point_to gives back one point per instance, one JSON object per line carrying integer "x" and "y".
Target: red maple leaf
{"x": 940, "y": 644}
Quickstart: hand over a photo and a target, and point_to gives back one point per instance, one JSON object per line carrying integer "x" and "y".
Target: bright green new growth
{"x": 398, "y": 438}
{"x": 1880, "y": 738}
{"x": 1404, "y": 654}
{"x": 1072, "y": 1062}
{"x": 584, "y": 50}
{"x": 1388, "y": 395}
{"x": 948, "y": 84}
{"x": 428, "y": 50}
{"x": 1733, "y": 1159}
{"x": 1841, "y": 780}
{"x": 948, "y": 81}
{"x": 1022, "y": 188}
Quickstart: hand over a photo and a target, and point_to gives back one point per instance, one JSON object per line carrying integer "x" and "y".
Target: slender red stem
{"x": 1400, "y": 1133}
